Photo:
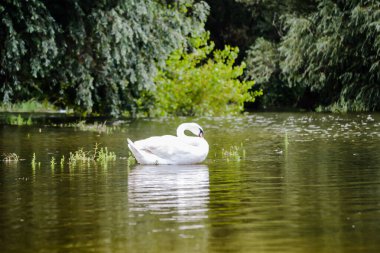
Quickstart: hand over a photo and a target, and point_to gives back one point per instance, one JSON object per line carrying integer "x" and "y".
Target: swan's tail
{"x": 136, "y": 153}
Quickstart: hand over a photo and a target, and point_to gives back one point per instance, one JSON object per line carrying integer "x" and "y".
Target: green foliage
{"x": 28, "y": 106}
{"x": 95, "y": 127}
{"x": 263, "y": 65}
{"x": 19, "y": 120}
{"x": 99, "y": 155}
{"x": 196, "y": 83}
{"x": 93, "y": 56}
{"x": 331, "y": 54}
{"x": 131, "y": 159}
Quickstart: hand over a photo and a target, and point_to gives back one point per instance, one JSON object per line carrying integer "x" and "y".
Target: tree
{"x": 241, "y": 23}
{"x": 95, "y": 56}
{"x": 331, "y": 54}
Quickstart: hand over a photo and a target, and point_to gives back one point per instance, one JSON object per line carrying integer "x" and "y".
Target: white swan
{"x": 169, "y": 149}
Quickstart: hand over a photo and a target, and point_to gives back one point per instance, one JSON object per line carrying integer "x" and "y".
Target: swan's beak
{"x": 201, "y": 133}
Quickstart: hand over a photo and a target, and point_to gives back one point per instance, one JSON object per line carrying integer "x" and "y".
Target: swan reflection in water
{"x": 175, "y": 193}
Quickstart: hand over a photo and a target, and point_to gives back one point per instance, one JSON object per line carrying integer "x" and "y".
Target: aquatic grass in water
{"x": 131, "y": 159}
{"x": 98, "y": 127}
{"x": 234, "y": 153}
{"x": 19, "y": 120}
{"x": 62, "y": 161}
{"x": 101, "y": 155}
{"x": 34, "y": 162}
{"x": 52, "y": 162}
{"x": 11, "y": 157}
{"x": 95, "y": 127}
{"x": 80, "y": 157}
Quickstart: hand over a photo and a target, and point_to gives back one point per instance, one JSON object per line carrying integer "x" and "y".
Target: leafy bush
{"x": 201, "y": 81}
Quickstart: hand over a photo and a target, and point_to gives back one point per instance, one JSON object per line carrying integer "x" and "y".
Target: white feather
{"x": 169, "y": 149}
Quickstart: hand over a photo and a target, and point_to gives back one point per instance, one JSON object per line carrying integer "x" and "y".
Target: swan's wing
{"x": 166, "y": 146}
{"x": 144, "y": 157}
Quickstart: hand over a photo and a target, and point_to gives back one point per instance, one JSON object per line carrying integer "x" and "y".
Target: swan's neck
{"x": 200, "y": 143}
{"x": 181, "y": 131}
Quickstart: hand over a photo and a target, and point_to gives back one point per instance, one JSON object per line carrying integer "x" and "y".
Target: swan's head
{"x": 192, "y": 127}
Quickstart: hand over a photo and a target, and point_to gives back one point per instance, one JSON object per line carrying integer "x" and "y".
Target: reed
{"x": 19, "y": 120}
{"x": 234, "y": 153}
{"x": 100, "y": 155}
{"x": 52, "y": 162}
{"x": 62, "y": 163}
{"x": 95, "y": 127}
{"x": 34, "y": 162}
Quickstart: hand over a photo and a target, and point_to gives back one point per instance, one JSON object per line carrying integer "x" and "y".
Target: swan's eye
{"x": 200, "y": 133}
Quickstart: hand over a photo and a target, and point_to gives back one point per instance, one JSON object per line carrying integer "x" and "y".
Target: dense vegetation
{"x": 198, "y": 83}
{"x": 94, "y": 56}
{"x": 112, "y": 56}
{"x": 315, "y": 54}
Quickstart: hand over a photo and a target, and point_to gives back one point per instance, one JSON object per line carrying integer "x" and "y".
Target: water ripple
{"x": 178, "y": 193}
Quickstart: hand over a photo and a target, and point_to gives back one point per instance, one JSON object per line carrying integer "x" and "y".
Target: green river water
{"x": 307, "y": 183}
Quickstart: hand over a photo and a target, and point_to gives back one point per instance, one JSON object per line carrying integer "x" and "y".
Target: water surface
{"x": 307, "y": 183}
